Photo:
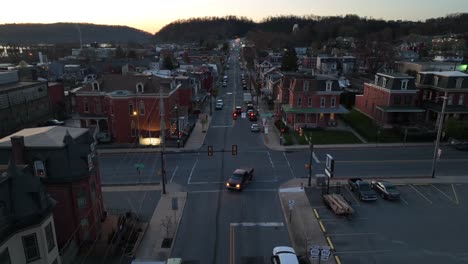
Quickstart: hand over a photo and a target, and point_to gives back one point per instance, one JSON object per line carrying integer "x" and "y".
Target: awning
{"x": 310, "y": 110}
{"x": 400, "y": 109}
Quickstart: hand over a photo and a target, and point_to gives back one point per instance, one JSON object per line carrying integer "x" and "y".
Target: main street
{"x": 217, "y": 223}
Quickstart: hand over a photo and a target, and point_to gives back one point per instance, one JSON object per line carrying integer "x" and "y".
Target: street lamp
{"x": 135, "y": 114}
{"x": 439, "y": 132}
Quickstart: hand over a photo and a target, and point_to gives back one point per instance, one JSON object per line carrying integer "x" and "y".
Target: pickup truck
{"x": 362, "y": 189}
{"x": 240, "y": 178}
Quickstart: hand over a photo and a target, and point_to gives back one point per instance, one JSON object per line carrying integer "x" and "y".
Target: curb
{"x": 178, "y": 224}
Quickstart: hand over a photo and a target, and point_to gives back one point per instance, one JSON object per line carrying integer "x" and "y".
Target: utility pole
{"x": 439, "y": 132}
{"x": 177, "y": 126}
{"x": 163, "y": 139}
{"x": 311, "y": 148}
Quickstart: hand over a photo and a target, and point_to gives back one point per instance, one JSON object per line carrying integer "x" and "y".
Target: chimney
{"x": 17, "y": 147}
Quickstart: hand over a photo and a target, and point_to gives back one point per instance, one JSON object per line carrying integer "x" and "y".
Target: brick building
{"x": 306, "y": 100}
{"x": 127, "y": 107}
{"x": 390, "y": 100}
{"x": 63, "y": 158}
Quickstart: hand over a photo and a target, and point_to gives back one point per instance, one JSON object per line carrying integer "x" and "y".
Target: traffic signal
{"x": 210, "y": 150}
{"x": 234, "y": 116}
{"x": 301, "y": 132}
{"x": 234, "y": 150}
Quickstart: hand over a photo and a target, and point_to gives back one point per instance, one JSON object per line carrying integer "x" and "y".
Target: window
{"x": 461, "y": 99}
{"x": 2, "y": 209}
{"x": 459, "y": 83}
{"x": 139, "y": 88}
{"x": 133, "y": 129}
{"x": 112, "y": 109}
{"x": 418, "y": 78}
{"x": 408, "y": 100}
{"x": 376, "y": 80}
{"x": 309, "y": 101}
{"x": 404, "y": 84}
{"x": 436, "y": 81}
{"x": 333, "y": 102}
{"x": 39, "y": 169}
{"x": 299, "y": 102}
{"x": 49, "y": 232}
{"x": 142, "y": 108}
{"x": 131, "y": 109}
{"x": 397, "y": 100}
{"x": 85, "y": 105}
{"x": 95, "y": 86}
{"x": 450, "y": 99}
{"x": 306, "y": 86}
{"x": 81, "y": 199}
{"x": 97, "y": 104}
{"x": 5, "y": 257}
{"x": 328, "y": 86}
{"x": 384, "y": 82}
{"x": 322, "y": 101}
{"x": 31, "y": 249}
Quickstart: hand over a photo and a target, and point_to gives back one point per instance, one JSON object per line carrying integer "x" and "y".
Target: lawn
{"x": 319, "y": 136}
{"x": 370, "y": 131}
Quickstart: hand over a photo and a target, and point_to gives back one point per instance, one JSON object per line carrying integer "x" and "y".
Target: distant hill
{"x": 311, "y": 28}
{"x": 69, "y": 33}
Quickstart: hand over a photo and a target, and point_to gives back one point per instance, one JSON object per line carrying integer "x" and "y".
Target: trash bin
{"x": 321, "y": 180}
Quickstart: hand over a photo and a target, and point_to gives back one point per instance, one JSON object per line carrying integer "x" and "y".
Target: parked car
{"x": 386, "y": 189}
{"x": 53, "y": 122}
{"x": 255, "y": 127}
{"x": 461, "y": 146}
{"x": 219, "y": 106}
{"x": 238, "y": 110}
{"x": 240, "y": 178}
{"x": 362, "y": 189}
{"x": 284, "y": 255}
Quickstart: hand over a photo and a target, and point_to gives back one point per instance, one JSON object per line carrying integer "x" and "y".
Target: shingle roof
{"x": 51, "y": 136}
{"x": 110, "y": 83}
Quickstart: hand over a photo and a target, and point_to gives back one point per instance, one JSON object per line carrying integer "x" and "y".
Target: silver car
{"x": 255, "y": 127}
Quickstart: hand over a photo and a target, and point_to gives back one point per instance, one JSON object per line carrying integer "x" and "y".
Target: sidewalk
{"x": 303, "y": 226}
{"x": 163, "y": 224}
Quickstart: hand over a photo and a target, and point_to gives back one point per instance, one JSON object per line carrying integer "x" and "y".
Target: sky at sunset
{"x": 151, "y": 15}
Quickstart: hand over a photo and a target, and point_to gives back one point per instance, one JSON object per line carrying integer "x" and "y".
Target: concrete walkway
{"x": 303, "y": 225}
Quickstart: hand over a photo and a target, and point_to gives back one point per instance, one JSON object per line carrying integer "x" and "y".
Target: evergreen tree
{"x": 289, "y": 62}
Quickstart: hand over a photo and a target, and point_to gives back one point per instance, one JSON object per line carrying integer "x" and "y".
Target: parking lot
{"x": 427, "y": 225}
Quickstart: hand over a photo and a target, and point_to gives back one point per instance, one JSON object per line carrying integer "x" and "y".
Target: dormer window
{"x": 404, "y": 84}
{"x": 306, "y": 86}
{"x": 376, "y": 80}
{"x": 384, "y": 82}
{"x": 140, "y": 88}
{"x": 436, "y": 80}
{"x": 328, "y": 86}
{"x": 95, "y": 86}
{"x": 39, "y": 169}
{"x": 459, "y": 83}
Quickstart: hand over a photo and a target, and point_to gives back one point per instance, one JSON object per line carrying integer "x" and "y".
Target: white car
{"x": 255, "y": 127}
{"x": 284, "y": 255}
{"x": 220, "y": 101}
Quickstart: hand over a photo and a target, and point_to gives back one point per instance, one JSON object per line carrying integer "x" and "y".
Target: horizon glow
{"x": 151, "y": 16}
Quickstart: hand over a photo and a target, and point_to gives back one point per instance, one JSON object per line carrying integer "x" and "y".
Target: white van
{"x": 284, "y": 255}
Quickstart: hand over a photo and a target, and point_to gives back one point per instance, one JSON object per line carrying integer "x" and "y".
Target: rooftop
{"x": 51, "y": 136}
{"x": 395, "y": 75}
{"x": 447, "y": 73}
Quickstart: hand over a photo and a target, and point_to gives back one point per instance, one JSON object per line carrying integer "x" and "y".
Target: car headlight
{"x": 237, "y": 186}
{"x": 227, "y": 184}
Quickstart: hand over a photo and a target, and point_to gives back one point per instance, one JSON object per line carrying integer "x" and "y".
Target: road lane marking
{"x": 316, "y": 214}
{"x": 249, "y": 190}
{"x": 330, "y": 243}
{"x": 455, "y": 194}
{"x": 322, "y": 227}
{"x": 403, "y": 200}
{"x": 337, "y": 259}
{"x": 420, "y": 193}
{"x": 271, "y": 161}
{"x": 398, "y": 161}
{"x": 353, "y": 234}
{"x": 363, "y": 251}
{"x": 173, "y": 173}
{"x": 191, "y": 172}
{"x": 315, "y": 157}
{"x": 353, "y": 196}
{"x": 339, "y": 219}
{"x": 289, "y": 165}
{"x": 448, "y": 197}
{"x": 263, "y": 224}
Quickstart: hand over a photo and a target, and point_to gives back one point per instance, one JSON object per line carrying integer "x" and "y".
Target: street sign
{"x": 264, "y": 121}
{"x": 330, "y": 163}
{"x": 243, "y": 115}
{"x": 328, "y": 173}
{"x": 439, "y": 153}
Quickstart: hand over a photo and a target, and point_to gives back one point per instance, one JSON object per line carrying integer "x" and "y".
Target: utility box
{"x": 321, "y": 180}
